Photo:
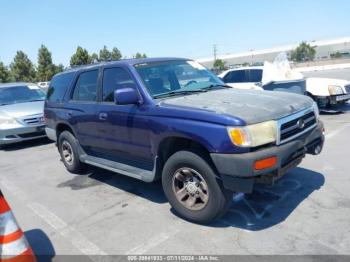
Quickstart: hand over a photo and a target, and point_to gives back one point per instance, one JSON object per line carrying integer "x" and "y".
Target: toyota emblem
{"x": 300, "y": 123}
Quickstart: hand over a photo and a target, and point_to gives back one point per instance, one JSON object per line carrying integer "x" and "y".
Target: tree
{"x": 58, "y": 69}
{"x": 116, "y": 54}
{"x": 139, "y": 55}
{"x": 105, "y": 55}
{"x": 336, "y": 55}
{"x": 304, "y": 52}
{"x": 45, "y": 69}
{"x": 81, "y": 57}
{"x": 94, "y": 58}
{"x": 219, "y": 64}
{"x": 4, "y": 73}
{"x": 22, "y": 68}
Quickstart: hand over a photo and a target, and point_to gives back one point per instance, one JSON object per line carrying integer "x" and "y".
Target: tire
{"x": 67, "y": 143}
{"x": 177, "y": 171}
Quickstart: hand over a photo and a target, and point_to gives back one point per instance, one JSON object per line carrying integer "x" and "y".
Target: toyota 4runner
{"x": 173, "y": 119}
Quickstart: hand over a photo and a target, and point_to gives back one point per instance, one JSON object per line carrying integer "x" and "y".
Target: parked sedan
{"x": 21, "y": 112}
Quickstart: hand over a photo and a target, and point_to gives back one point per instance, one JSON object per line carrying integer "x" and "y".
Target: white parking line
{"x": 336, "y": 132}
{"x": 152, "y": 242}
{"x": 85, "y": 246}
{"x": 75, "y": 237}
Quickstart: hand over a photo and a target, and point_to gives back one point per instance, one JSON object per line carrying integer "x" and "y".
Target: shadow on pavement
{"x": 26, "y": 144}
{"x": 96, "y": 176}
{"x": 41, "y": 245}
{"x": 270, "y": 205}
{"x": 336, "y": 110}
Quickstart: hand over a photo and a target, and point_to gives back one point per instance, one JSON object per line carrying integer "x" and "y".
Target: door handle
{"x": 102, "y": 116}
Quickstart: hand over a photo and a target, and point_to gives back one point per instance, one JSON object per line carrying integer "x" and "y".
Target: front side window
{"x": 20, "y": 94}
{"x": 113, "y": 79}
{"x": 176, "y": 77}
{"x": 237, "y": 76}
{"x": 86, "y": 86}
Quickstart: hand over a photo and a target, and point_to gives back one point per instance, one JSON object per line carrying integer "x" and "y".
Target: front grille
{"x": 294, "y": 126}
{"x": 347, "y": 88}
{"x": 37, "y": 120}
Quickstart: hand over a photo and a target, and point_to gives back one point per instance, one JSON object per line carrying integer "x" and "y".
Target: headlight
{"x": 316, "y": 110}
{"x": 8, "y": 122}
{"x": 253, "y": 135}
{"x": 335, "y": 90}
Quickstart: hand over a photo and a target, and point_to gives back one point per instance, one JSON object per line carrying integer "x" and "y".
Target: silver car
{"x": 21, "y": 112}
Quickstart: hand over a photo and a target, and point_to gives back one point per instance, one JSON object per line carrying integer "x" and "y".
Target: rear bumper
{"x": 237, "y": 170}
{"x": 9, "y": 136}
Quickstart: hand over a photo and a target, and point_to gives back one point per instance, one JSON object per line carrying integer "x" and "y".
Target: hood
{"x": 23, "y": 109}
{"x": 252, "y": 106}
{"x": 327, "y": 81}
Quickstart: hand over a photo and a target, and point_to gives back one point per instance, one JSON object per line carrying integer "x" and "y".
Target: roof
{"x": 124, "y": 61}
{"x": 13, "y": 84}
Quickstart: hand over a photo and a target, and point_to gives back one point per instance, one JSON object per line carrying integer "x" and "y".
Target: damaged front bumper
{"x": 237, "y": 170}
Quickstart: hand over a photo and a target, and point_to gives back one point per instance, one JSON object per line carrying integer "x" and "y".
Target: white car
{"x": 243, "y": 77}
{"x": 253, "y": 78}
{"x": 328, "y": 91}
{"x": 325, "y": 91}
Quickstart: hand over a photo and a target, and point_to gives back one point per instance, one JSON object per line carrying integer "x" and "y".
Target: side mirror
{"x": 126, "y": 96}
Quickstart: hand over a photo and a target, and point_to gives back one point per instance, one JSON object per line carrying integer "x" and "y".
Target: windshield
{"x": 176, "y": 77}
{"x": 20, "y": 94}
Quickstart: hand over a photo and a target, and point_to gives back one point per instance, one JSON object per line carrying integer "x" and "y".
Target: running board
{"x": 134, "y": 172}
{"x": 131, "y": 171}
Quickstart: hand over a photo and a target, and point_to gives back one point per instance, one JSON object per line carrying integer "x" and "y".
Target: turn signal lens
{"x": 265, "y": 163}
{"x": 239, "y": 136}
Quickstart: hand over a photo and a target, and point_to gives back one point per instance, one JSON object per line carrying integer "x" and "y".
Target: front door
{"x": 124, "y": 129}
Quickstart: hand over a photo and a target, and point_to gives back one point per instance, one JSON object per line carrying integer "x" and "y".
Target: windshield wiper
{"x": 214, "y": 86}
{"x": 178, "y": 92}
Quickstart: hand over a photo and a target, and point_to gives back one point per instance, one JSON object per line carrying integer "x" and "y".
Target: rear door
{"x": 81, "y": 109}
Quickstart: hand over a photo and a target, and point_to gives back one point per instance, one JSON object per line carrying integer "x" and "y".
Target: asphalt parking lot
{"x": 306, "y": 212}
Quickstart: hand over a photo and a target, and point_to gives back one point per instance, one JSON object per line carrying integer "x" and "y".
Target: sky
{"x": 184, "y": 28}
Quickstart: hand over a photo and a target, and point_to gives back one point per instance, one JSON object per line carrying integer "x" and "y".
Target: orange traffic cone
{"x": 13, "y": 244}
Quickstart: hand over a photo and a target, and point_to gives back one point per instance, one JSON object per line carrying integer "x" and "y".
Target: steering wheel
{"x": 190, "y": 82}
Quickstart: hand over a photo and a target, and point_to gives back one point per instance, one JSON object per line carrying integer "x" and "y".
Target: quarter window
{"x": 113, "y": 79}
{"x": 58, "y": 86}
{"x": 86, "y": 86}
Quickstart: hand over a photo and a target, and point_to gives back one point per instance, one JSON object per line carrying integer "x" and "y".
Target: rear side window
{"x": 86, "y": 86}
{"x": 255, "y": 75}
{"x": 235, "y": 77}
{"x": 58, "y": 87}
{"x": 113, "y": 79}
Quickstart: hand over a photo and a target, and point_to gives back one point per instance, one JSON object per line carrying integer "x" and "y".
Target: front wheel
{"x": 192, "y": 188}
{"x": 68, "y": 148}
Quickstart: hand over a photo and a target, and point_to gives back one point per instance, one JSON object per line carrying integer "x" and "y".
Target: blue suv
{"x": 172, "y": 119}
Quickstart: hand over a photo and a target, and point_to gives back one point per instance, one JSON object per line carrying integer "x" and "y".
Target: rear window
{"x": 59, "y": 86}
{"x": 86, "y": 87}
{"x": 255, "y": 75}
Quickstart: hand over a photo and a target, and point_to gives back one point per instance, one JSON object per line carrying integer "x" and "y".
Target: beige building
{"x": 324, "y": 50}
